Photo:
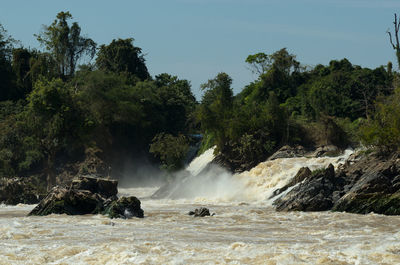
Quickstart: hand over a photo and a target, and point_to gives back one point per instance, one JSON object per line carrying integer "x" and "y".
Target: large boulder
{"x": 316, "y": 193}
{"x": 69, "y": 201}
{"x": 125, "y": 207}
{"x": 21, "y": 190}
{"x": 105, "y": 187}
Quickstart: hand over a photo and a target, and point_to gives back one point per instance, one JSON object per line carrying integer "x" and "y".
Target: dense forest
{"x": 75, "y": 107}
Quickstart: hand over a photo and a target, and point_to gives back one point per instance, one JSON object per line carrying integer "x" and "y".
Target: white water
{"x": 239, "y": 233}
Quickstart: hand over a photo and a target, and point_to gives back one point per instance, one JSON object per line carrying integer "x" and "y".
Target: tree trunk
{"x": 50, "y": 172}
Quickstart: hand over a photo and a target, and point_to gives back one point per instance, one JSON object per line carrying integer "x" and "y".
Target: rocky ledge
{"x": 21, "y": 190}
{"x": 89, "y": 195}
{"x": 370, "y": 183}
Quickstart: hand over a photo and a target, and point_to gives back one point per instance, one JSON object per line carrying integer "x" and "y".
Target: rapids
{"x": 244, "y": 230}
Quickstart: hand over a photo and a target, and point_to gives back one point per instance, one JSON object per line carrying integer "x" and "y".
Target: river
{"x": 244, "y": 230}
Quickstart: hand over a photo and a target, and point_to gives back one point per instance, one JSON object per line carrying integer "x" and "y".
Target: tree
{"x": 65, "y": 44}
{"x": 55, "y": 122}
{"x": 395, "y": 45}
{"x": 215, "y": 110}
{"x": 259, "y": 63}
{"x": 6, "y": 75}
{"x": 178, "y": 102}
{"x": 171, "y": 150}
{"x": 121, "y": 56}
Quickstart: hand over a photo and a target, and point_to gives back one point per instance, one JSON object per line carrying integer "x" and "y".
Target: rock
{"x": 288, "y": 152}
{"x": 326, "y": 150}
{"x": 88, "y": 195}
{"x": 125, "y": 207}
{"x": 105, "y": 187}
{"x": 69, "y": 201}
{"x": 301, "y": 175}
{"x": 376, "y": 188}
{"x": 21, "y": 190}
{"x": 314, "y": 194}
{"x": 200, "y": 212}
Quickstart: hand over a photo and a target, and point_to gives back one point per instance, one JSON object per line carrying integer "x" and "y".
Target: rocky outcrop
{"x": 301, "y": 175}
{"x": 21, "y": 190}
{"x": 69, "y": 201}
{"x": 326, "y": 150}
{"x": 288, "y": 152}
{"x": 105, "y": 187}
{"x": 89, "y": 195}
{"x": 316, "y": 193}
{"x": 376, "y": 186}
{"x": 364, "y": 184}
{"x": 200, "y": 212}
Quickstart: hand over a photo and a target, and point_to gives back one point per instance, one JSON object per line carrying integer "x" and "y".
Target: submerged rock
{"x": 200, "y": 212}
{"x": 20, "y": 190}
{"x": 125, "y": 207}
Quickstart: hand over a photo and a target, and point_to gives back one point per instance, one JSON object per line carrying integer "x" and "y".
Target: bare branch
{"x": 390, "y": 37}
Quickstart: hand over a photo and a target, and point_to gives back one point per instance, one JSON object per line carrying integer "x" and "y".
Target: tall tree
{"x": 215, "y": 110}
{"x": 66, "y": 44}
{"x": 121, "y": 56}
{"x": 6, "y": 74}
{"x": 396, "y": 43}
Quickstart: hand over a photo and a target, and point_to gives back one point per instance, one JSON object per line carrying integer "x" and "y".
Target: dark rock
{"x": 288, "y": 152}
{"x": 301, "y": 175}
{"x": 105, "y": 187}
{"x": 327, "y": 150}
{"x": 88, "y": 195}
{"x": 314, "y": 194}
{"x": 200, "y": 212}
{"x": 21, "y": 190}
{"x": 376, "y": 188}
{"x": 69, "y": 201}
{"x": 125, "y": 207}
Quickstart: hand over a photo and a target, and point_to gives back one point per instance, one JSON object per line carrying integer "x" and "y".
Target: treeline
{"x": 55, "y": 112}
{"x": 82, "y": 107}
{"x": 340, "y": 104}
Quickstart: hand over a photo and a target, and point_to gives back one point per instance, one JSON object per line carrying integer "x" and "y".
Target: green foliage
{"x": 171, "y": 150}
{"x": 206, "y": 143}
{"x": 65, "y": 44}
{"x": 214, "y": 112}
{"x": 383, "y": 130}
{"x": 121, "y": 56}
{"x": 7, "y": 85}
{"x": 259, "y": 63}
{"x": 279, "y": 73}
{"x": 340, "y": 90}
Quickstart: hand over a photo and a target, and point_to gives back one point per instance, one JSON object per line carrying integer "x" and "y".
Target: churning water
{"x": 244, "y": 230}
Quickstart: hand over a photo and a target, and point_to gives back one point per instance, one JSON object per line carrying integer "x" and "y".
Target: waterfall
{"x": 209, "y": 182}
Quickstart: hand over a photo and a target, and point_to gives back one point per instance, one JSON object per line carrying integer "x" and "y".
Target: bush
{"x": 171, "y": 150}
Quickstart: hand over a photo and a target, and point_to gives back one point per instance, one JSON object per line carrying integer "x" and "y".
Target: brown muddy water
{"x": 244, "y": 230}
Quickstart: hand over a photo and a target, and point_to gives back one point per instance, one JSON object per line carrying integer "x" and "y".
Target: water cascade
{"x": 209, "y": 182}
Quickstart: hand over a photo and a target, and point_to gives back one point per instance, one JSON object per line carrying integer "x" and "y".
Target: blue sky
{"x": 196, "y": 39}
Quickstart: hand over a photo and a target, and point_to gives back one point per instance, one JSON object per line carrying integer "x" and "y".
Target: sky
{"x": 197, "y": 39}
